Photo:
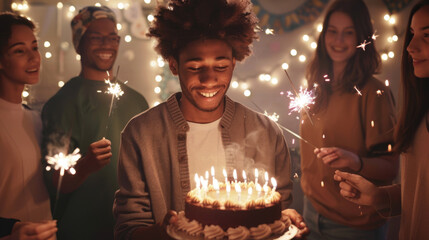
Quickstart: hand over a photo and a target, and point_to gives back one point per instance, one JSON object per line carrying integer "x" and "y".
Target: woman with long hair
{"x": 412, "y": 140}
{"x": 22, "y": 190}
{"x": 351, "y": 124}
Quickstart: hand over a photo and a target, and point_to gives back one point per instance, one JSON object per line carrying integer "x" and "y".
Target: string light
{"x": 247, "y": 93}
{"x": 234, "y": 84}
{"x": 48, "y": 55}
{"x": 128, "y": 38}
{"x": 305, "y": 38}
{"x": 285, "y": 66}
{"x": 293, "y": 52}
{"x": 60, "y": 84}
{"x": 158, "y": 78}
{"x": 150, "y": 18}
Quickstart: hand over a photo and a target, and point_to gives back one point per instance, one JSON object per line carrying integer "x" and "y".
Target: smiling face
{"x": 418, "y": 48}
{"x": 205, "y": 69}
{"x": 340, "y": 38}
{"x": 20, "y": 59}
{"x": 99, "y": 55}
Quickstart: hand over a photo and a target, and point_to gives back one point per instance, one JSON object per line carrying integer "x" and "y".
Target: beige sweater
{"x": 360, "y": 124}
{"x": 153, "y": 172}
{"x": 415, "y": 187}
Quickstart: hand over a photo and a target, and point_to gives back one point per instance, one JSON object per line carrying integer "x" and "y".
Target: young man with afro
{"x": 163, "y": 148}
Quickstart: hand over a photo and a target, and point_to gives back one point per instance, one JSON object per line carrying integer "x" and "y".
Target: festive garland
{"x": 395, "y": 6}
{"x": 307, "y": 12}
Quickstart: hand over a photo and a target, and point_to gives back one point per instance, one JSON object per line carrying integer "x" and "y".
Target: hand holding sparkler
{"x": 339, "y": 158}
{"x": 97, "y": 156}
{"x": 357, "y": 189}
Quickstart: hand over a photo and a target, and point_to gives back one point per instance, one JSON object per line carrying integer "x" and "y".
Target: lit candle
{"x": 226, "y": 176}
{"x": 266, "y": 178}
{"x": 216, "y": 187}
{"x": 234, "y": 174}
{"x": 256, "y": 175}
{"x": 249, "y": 192}
{"x": 244, "y": 177}
{"x": 204, "y": 186}
{"x": 228, "y": 189}
{"x": 265, "y": 187}
{"x": 207, "y": 175}
{"x": 213, "y": 173}
{"x": 258, "y": 189}
{"x": 197, "y": 181}
{"x": 238, "y": 190}
{"x": 274, "y": 183}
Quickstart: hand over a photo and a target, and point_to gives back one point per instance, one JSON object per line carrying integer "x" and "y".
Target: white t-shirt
{"x": 23, "y": 194}
{"x": 205, "y": 149}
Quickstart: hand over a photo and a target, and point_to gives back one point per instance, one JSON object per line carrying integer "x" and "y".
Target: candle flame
{"x": 197, "y": 181}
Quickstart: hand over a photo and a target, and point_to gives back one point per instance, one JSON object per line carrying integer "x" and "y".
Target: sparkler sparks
{"x": 275, "y": 117}
{"x": 114, "y": 89}
{"x": 63, "y": 162}
{"x": 374, "y": 36}
{"x": 300, "y": 98}
{"x": 363, "y": 45}
{"x": 357, "y": 90}
{"x": 302, "y": 101}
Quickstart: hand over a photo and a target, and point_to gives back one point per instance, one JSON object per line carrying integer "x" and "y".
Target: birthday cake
{"x": 234, "y": 210}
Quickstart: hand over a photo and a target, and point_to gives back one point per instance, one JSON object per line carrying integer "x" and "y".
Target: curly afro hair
{"x": 184, "y": 21}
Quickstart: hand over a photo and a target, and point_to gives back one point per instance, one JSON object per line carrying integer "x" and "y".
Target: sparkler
{"x": 286, "y": 129}
{"x": 301, "y": 101}
{"x": 298, "y": 98}
{"x": 63, "y": 163}
{"x": 115, "y": 90}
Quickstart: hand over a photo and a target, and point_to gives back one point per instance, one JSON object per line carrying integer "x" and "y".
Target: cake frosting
{"x": 216, "y": 212}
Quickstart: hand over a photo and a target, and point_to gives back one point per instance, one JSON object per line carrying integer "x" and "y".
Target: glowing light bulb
{"x": 247, "y": 93}
{"x": 285, "y": 66}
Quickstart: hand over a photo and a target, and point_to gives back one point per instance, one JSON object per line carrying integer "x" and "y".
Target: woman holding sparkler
{"x": 412, "y": 138}
{"x": 23, "y": 193}
{"x": 351, "y": 123}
